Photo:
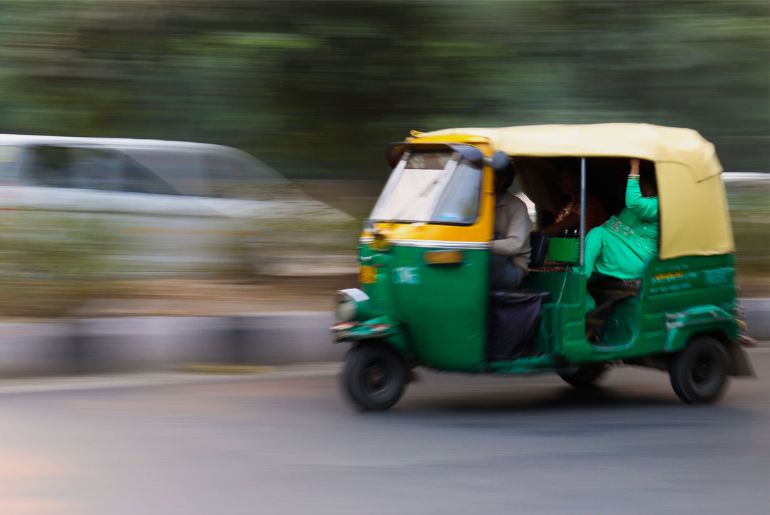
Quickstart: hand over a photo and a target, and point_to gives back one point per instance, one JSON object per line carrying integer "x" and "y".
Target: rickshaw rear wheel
{"x": 374, "y": 377}
{"x": 699, "y": 373}
{"x": 584, "y": 376}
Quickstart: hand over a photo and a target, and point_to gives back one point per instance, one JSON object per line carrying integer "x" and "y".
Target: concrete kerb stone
{"x": 157, "y": 343}
{"x": 757, "y": 312}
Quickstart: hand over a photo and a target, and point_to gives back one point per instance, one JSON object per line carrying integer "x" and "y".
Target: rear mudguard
{"x": 683, "y": 325}
{"x": 740, "y": 365}
{"x": 711, "y": 320}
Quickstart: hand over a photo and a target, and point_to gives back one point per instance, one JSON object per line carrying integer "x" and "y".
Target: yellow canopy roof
{"x": 693, "y": 208}
{"x": 640, "y": 140}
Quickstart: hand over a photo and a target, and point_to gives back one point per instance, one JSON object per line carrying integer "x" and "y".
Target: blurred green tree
{"x": 317, "y": 88}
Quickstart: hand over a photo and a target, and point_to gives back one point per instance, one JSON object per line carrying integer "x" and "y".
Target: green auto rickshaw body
{"x": 425, "y": 275}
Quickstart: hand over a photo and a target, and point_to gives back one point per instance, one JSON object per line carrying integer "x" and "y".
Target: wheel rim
{"x": 705, "y": 374}
{"x": 377, "y": 378}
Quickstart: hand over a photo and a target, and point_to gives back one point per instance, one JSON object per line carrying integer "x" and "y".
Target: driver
{"x": 510, "y": 247}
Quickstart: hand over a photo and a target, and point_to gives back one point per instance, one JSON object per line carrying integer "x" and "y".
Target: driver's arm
{"x": 515, "y": 238}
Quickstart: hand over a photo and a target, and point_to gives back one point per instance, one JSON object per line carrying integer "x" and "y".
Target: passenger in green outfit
{"x": 623, "y": 245}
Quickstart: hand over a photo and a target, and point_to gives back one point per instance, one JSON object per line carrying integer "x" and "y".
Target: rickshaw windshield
{"x": 432, "y": 187}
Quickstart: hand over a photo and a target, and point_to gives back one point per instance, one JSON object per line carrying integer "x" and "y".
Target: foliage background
{"x": 316, "y": 88}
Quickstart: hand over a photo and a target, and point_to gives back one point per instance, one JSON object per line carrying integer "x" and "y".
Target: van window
{"x": 103, "y": 169}
{"x": 139, "y": 179}
{"x": 9, "y": 157}
{"x": 181, "y": 170}
{"x": 96, "y": 169}
{"x": 50, "y": 166}
{"x": 74, "y": 167}
{"x": 235, "y": 174}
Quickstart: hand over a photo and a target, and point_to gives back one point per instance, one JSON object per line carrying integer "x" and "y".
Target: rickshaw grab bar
{"x": 583, "y": 210}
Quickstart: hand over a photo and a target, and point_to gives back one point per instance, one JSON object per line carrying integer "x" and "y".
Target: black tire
{"x": 699, "y": 373}
{"x": 374, "y": 377}
{"x": 584, "y": 376}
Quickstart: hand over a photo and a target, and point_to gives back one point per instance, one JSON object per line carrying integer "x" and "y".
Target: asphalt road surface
{"x": 285, "y": 443}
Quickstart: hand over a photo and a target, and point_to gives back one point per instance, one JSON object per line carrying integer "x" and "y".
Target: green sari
{"x": 623, "y": 245}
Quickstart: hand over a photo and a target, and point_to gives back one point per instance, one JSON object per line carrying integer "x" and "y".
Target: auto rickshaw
{"x": 425, "y": 298}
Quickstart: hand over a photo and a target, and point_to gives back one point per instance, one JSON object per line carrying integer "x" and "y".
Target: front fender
{"x": 382, "y": 328}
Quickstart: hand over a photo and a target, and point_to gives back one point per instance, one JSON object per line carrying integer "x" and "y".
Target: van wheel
{"x": 699, "y": 373}
{"x": 373, "y": 377}
{"x": 584, "y": 376}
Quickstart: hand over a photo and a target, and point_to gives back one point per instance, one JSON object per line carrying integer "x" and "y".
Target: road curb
{"x": 166, "y": 343}
{"x": 223, "y": 344}
{"x": 757, "y": 312}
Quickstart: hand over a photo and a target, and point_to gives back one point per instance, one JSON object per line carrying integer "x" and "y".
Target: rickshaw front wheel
{"x": 373, "y": 377}
{"x": 699, "y": 373}
{"x": 584, "y": 376}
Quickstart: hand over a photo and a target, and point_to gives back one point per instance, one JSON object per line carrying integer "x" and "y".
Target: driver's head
{"x": 504, "y": 178}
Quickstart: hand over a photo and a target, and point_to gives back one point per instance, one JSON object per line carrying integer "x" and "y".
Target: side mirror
{"x": 394, "y": 153}
{"x": 499, "y": 161}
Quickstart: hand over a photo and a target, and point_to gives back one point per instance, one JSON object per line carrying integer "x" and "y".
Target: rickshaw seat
{"x": 609, "y": 284}
{"x": 514, "y": 317}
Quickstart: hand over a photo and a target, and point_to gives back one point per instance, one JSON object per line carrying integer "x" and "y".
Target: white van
{"x": 177, "y": 206}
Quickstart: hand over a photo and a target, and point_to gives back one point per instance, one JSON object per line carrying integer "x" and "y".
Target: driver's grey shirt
{"x": 512, "y": 227}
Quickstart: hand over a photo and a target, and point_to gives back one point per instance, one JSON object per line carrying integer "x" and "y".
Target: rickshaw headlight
{"x": 345, "y": 310}
{"x": 348, "y": 303}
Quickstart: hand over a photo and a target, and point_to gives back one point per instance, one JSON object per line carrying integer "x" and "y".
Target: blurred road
{"x": 285, "y": 443}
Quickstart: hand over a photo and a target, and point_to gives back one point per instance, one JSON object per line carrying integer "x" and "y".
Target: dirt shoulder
{"x": 196, "y": 297}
